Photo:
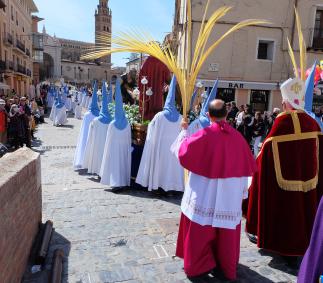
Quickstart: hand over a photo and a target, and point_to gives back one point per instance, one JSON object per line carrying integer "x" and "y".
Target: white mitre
{"x": 293, "y": 91}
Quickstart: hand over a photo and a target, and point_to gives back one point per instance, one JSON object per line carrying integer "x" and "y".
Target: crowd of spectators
{"x": 19, "y": 117}
{"x": 254, "y": 126}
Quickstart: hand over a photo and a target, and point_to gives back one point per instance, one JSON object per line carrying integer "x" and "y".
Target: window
{"x": 318, "y": 30}
{"x": 226, "y": 94}
{"x": 259, "y": 100}
{"x": 265, "y": 50}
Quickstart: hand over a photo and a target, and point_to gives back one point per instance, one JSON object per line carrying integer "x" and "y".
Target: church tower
{"x": 103, "y": 26}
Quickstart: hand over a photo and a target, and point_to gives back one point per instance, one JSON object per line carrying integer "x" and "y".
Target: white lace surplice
{"x": 214, "y": 202}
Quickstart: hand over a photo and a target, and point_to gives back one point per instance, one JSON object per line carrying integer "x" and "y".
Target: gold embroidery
{"x": 293, "y": 185}
{"x": 296, "y": 87}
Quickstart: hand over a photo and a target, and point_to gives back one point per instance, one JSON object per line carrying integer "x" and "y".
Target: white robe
{"x": 159, "y": 168}
{"x": 82, "y": 140}
{"x": 78, "y": 111}
{"x": 116, "y": 164}
{"x": 60, "y": 117}
{"x": 95, "y": 146}
{"x": 52, "y": 112}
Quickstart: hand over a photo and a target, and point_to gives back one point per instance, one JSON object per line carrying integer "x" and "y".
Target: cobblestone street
{"x": 126, "y": 237}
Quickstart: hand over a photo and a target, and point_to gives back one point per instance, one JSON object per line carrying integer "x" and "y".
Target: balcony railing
{"x": 27, "y": 52}
{"x": 8, "y": 39}
{"x": 20, "y": 45}
{"x": 28, "y": 73}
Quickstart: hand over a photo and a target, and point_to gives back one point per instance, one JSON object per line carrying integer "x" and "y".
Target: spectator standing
{"x": 15, "y": 127}
{"x": 127, "y": 86}
{"x": 248, "y": 121}
{"x": 258, "y": 132}
{"x": 271, "y": 120}
{"x": 3, "y": 122}
{"x": 239, "y": 119}
{"x": 25, "y": 115}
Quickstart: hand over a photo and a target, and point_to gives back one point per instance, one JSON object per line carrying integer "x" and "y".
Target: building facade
{"x": 253, "y": 62}
{"x": 62, "y": 57}
{"x": 16, "y": 63}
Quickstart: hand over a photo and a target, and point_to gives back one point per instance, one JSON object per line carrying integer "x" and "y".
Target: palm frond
{"x": 142, "y": 42}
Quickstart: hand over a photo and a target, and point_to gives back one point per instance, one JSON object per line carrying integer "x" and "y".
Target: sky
{"x": 74, "y": 19}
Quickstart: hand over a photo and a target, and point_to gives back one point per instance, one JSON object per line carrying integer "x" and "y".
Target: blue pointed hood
{"x": 94, "y": 107}
{"x": 309, "y": 91}
{"x": 120, "y": 120}
{"x": 193, "y": 99}
{"x": 105, "y": 117}
{"x": 203, "y": 118}
{"x": 170, "y": 110}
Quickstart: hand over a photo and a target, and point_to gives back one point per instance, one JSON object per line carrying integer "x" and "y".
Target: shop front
{"x": 261, "y": 96}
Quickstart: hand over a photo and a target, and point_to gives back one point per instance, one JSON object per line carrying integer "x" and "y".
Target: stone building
{"x": 62, "y": 57}
{"x": 253, "y": 62}
{"x": 16, "y": 61}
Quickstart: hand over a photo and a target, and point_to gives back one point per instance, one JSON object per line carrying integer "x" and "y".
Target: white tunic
{"x": 159, "y": 168}
{"x": 60, "y": 117}
{"x": 82, "y": 140}
{"x": 95, "y": 146}
{"x": 116, "y": 164}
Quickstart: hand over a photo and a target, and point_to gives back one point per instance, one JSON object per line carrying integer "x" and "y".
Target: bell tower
{"x": 103, "y": 26}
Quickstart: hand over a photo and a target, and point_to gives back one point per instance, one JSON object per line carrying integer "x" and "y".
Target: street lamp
{"x": 144, "y": 82}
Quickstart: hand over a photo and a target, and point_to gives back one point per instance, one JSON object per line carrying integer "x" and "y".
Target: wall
{"x": 20, "y": 211}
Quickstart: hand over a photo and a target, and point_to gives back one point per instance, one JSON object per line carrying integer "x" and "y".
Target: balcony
{"x": 7, "y": 39}
{"x": 20, "y": 45}
{"x": 27, "y": 52}
{"x": 38, "y": 42}
{"x": 21, "y": 69}
{"x": 28, "y": 73}
{"x": 10, "y": 65}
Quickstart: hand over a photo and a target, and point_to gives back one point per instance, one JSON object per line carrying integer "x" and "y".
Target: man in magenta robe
{"x": 220, "y": 162}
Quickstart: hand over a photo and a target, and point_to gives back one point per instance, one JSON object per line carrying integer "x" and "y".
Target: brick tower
{"x": 103, "y": 25}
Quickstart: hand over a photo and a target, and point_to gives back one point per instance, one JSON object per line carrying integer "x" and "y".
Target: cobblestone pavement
{"x": 128, "y": 237}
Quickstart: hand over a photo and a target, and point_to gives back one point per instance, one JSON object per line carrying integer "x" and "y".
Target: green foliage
{"x": 131, "y": 111}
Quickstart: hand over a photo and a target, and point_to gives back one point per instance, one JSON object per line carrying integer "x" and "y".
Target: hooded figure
{"x": 55, "y": 100}
{"x": 59, "y": 113}
{"x": 77, "y": 105}
{"x": 203, "y": 120}
{"x": 97, "y": 136}
{"x": 116, "y": 164}
{"x": 93, "y": 112}
{"x": 68, "y": 99}
{"x": 159, "y": 168}
{"x": 50, "y": 97}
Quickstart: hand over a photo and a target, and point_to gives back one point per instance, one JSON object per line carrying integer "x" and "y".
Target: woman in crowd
{"x": 258, "y": 132}
{"x": 16, "y": 130}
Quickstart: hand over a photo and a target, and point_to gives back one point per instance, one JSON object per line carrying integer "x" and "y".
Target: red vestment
{"x": 158, "y": 75}
{"x": 217, "y": 155}
{"x": 287, "y": 188}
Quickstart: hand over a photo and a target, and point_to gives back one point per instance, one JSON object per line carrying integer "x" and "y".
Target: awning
{"x": 4, "y": 86}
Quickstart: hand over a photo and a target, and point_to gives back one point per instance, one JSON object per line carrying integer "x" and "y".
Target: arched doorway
{"x": 46, "y": 70}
